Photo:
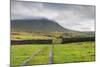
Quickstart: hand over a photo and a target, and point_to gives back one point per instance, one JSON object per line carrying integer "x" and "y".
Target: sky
{"x": 74, "y": 17}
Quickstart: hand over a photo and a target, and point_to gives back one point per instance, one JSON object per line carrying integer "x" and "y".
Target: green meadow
{"x": 20, "y": 53}
{"x": 74, "y": 52}
{"x": 62, "y": 53}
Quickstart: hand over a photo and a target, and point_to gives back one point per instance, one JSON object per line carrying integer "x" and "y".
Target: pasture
{"x": 62, "y": 53}
{"x": 74, "y": 52}
{"x": 20, "y": 53}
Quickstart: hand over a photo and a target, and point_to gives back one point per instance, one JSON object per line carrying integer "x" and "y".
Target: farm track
{"x": 51, "y": 56}
{"x": 31, "y": 57}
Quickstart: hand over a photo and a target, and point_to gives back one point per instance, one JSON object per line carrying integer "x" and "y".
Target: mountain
{"x": 36, "y": 25}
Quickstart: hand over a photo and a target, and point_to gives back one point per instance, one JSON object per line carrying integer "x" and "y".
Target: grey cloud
{"x": 76, "y": 17}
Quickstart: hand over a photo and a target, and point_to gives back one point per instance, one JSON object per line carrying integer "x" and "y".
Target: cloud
{"x": 75, "y": 17}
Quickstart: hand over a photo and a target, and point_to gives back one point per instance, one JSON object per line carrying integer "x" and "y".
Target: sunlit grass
{"x": 28, "y": 37}
{"x": 74, "y": 52}
{"x": 62, "y": 53}
{"x": 20, "y": 53}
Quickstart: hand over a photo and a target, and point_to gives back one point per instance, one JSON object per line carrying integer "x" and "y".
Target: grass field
{"x": 74, "y": 52}
{"x": 19, "y": 53}
{"x": 28, "y": 36}
{"x": 62, "y": 53}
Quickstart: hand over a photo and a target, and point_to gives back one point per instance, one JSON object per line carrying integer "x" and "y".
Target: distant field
{"x": 46, "y": 35}
{"x": 62, "y": 53}
{"x": 27, "y": 36}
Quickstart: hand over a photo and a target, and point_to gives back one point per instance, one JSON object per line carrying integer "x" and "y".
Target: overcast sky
{"x": 75, "y": 17}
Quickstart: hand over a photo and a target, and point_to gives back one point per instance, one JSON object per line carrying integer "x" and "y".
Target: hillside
{"x": 36, "y": 25}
